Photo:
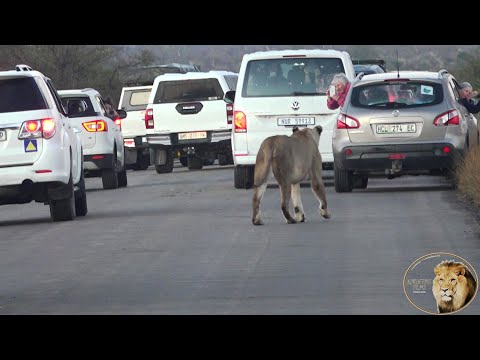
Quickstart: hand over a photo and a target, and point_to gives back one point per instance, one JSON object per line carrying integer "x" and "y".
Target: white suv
{"x": 40, "y": 150}
{"x": 102, "y": 139}
{"x": 187, "y": 115}
{"x": 278, "y": 90}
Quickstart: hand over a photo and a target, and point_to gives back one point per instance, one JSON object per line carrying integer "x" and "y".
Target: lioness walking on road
{"x": 292, "y": 159}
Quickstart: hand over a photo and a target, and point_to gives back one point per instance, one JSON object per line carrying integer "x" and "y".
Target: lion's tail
{"x": 263, "y": 162}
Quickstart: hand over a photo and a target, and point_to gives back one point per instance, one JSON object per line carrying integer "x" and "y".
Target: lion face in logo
{"x": 453, "y": 287}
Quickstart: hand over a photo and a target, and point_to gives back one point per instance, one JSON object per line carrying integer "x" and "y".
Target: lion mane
{"x": 453, "y": 286}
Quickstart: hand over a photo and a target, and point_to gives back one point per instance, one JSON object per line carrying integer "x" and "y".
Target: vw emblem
{"x": 395, "y": 113}
{"x": 295, "y": 105}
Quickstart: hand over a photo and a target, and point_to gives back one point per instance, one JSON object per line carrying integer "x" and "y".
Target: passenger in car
{"x": 342, "y": 85}
{"x": 465, "y": 93}
{"x": 111, "y": 112}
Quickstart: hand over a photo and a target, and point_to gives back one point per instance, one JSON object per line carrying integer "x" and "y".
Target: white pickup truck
{"x": 134, "y": 100}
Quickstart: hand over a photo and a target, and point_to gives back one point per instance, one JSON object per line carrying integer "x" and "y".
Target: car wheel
{"x": 81, "y": 208}
{"x": 63, "y": 209}
{"x": 360, "y": 182}
{"x": 167, "y": 167}
{"x": 222, "y": 159}
{"x": 183, "y": 160}
{"x": 343, "y": 179}
{"x": 143, "y": 161}
{"x": 110, "y": 176}
{"x": 244, "y": 177}
{"x": 195, "y": 163}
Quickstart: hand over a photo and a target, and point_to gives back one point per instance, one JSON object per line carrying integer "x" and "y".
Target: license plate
{"x": 295, "y": 121}
{"x": 3, "y": 135}
{"x": 396, "y": 128}
{"x": 192, "y": 135}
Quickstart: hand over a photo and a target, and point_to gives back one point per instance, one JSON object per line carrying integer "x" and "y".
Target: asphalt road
{"x": 183, "y": 243}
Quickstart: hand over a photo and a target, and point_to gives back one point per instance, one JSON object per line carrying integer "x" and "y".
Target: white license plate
{"x": 3, "y": 135}
{"x": 396, "y": 128}
{"x": 293, "y": 121}
{"x": 192, "y": 135}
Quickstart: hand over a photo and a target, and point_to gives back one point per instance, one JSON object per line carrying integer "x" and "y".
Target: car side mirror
{"x": 122, "y": 114}
{"x": 229, "y": 97}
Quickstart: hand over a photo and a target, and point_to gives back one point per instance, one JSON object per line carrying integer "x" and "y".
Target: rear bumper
{"x": 91, "y": 162}
{"x": 412, "y": 157}
{"x": 137, "y": 142}
{"x": 172, "y": 139}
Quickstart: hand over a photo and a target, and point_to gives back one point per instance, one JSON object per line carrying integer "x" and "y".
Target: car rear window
{"x": 90, "y": 111}
{"x": 134, "y": 100}
{"x": 290, "y": 76}
{"x": 20, "y": 94}
{"x": 176, "y": 91}
{"x": 400, "y": 94}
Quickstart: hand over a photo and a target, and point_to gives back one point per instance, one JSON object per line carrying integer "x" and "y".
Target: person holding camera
{"x": 466, "y": 94}
{"x": 338, "y": 91}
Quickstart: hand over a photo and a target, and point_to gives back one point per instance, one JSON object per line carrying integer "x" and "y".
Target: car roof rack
{"x": 23, "y": 67}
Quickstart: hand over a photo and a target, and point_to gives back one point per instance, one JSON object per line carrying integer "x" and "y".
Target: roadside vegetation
{"x": 468, "y": 176}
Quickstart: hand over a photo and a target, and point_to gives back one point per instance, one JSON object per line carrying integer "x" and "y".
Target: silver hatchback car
{"x": 398, "y": 123}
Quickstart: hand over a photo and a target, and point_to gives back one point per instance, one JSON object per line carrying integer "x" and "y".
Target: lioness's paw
{"x": 300, "y": 217}
{"x": 292, "y": 221}
{"x": 257, "y": 222}
{"x": 325, "y": 214}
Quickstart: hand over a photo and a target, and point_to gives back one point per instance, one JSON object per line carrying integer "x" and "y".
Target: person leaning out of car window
{"x": 466, "y": 93}
{"x": 342, "y": 85}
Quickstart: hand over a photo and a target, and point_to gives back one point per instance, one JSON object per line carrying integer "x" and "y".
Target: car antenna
{"x": 398, "y": 67}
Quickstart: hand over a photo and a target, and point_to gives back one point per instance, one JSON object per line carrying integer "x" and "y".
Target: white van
{"x": 278, "y": 90}
{"x": 188, "y": 116}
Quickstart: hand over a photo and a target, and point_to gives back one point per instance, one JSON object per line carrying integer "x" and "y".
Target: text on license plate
{"x": 3, "y": 135}
{"x": 292, "y": 121}
{"x": 396, "y": 128}
{"x": 192, "y": 135}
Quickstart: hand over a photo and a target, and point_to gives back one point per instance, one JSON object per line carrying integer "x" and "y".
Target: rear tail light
{"x": 32, "y": 129}
{"x": 149, "y": 122}
{"x": 118, "y": 122}
{"x": 451, "y": 117}
{"x": 240, "y": 122}
{"x": 229, "y": 114}
{"x": 95, "y": 126}
{"x": 347, "y": 122}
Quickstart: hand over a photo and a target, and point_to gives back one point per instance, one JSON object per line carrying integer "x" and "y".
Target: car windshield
{"x": 290, "y": 76}
{"x": 20, "y": 94}
{"x": 399, "y": 94}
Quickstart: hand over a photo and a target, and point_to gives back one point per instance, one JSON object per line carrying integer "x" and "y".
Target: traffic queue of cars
{"x": 391, "y": 124}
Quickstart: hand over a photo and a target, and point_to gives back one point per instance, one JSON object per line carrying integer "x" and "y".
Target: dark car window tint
{"x": 400, "y": 94}
{"x": 90, "y": 111}
{"x": 20, "y": 94}
{"x": 135, "y": 99}
{"x": 188, "y": 90}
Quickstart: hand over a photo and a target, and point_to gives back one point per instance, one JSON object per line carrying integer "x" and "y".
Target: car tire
{"x": 244, "y": 177}
{"x": 360, "y": 182}
{"x": 195, "y": 163}
{"x": 110, "y": 176}
{"x": 122, "y": 178}
{"x": 143, "y": 161}
{"x": 81, "y": 208}
{"x": 222, "y": 159}
{"x": 183, "y": 160}
{"x": 342, "y": 179}
{"x": 167, "y": 167}
{"x": 63, "y": 209}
